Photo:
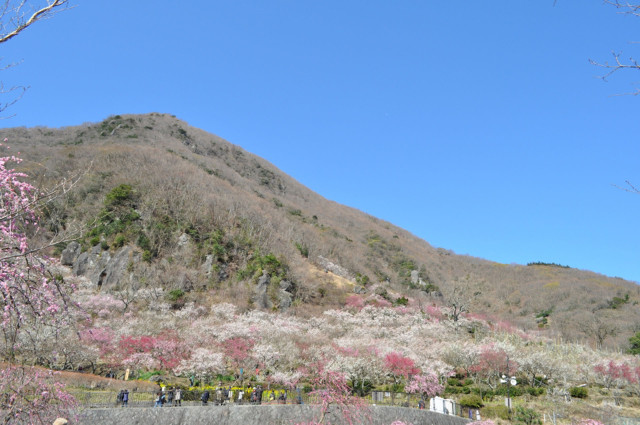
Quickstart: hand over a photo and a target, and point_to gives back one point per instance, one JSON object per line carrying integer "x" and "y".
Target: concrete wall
{"x": 263, "y": 415}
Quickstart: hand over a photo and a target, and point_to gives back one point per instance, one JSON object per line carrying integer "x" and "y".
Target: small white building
{"x": 442, "y": 405}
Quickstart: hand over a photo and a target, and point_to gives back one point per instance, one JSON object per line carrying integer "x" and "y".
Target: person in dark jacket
{"x": 170, "y": 395}
{"x": 125, "y": 398}
{"x": 205, "y": 397}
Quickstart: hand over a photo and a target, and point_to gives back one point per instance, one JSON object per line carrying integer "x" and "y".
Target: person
{"x": 205, "y": 397}
{"x": 158, "y": 399}
{"x": 170, "y": 396}
{"x": 259, "y": 395}
{"x": 125, "y": 398}
{"x": 177, "y": 400}
{"x": 421, "y": 404}
{"x": 119, "y": 397}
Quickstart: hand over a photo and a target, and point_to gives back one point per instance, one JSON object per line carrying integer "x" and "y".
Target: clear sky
{"x": 479, "y": 126}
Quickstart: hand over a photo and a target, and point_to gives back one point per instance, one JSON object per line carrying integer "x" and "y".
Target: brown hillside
{"x": 236, "y": 208}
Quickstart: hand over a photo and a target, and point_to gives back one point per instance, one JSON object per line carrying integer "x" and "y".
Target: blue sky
{"x": 480, "y": 127}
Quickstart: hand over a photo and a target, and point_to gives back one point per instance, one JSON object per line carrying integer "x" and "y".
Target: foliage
{"x": 617, "y": 302}
{"x": 542, "y": 263}
{"x": 579, "y": 392}
{"x": 527, "y": 416}
{"x": 634, "y": 343}
{"x": 31, "y": 395}
{"x": 471, "y": 400}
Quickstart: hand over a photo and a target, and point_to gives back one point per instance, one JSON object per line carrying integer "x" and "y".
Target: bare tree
{"x": 618, "y": 64}
{"x": 460, "y": 294}
{"x": 15, "y": 17}
{"x": 596, "y": 327}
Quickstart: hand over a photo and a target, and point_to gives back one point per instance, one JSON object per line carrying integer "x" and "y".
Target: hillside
{"x": 169, "y": 206}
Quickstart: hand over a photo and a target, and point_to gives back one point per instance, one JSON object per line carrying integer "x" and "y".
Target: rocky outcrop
{"x": 267, "y": 295}
{"x": 102, "y": 268}
{"x": 335, "y": 268}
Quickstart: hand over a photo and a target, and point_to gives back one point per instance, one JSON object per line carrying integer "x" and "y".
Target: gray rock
{"x": 261, "y": 293}
{"x": 415, "y": 277}
{"x": 70, "y": 254}
{"x": 183, "y": 239}
{"x": 335, "y": 268}
{"x": 102, "y": 269}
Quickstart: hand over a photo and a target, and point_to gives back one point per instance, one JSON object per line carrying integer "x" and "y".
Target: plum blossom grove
{"x": 405, "y": 348}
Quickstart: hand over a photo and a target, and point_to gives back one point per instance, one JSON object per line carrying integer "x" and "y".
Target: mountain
{"x": 166, "y": 205}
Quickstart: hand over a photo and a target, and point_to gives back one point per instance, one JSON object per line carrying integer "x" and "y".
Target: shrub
{"x": 147, "y": 256}
{"x": 119, "y": 241}
{"x": 175, "y": 294}
{"x": 119, "y": 195}
{"x": 303, "y": 249}
{"x": 579, "y": 392}
{"x": 498, "y": 411}
{"x": 527, "y": 416}
{"x": 471, "y": 400}
{"x": 535, "y": 391}
{"x": 94, "y": 241}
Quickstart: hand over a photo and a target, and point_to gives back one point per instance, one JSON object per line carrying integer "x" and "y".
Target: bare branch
{"x": 18, "y": 20}
{"x": 626, "y": 8}
{"x": 617, "y": 66}
{"x": 630, "y": 189}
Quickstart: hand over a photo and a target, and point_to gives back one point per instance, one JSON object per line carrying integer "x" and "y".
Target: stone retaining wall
{"x": 263, "y": 415}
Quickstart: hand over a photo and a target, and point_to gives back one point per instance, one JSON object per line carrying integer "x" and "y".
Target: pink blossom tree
{"x": 32, "y": 395}
{"x": 331, "y": 390}
{"x": 30, "y": 298}
{"x": 612, "y": 374}
{"x": 399, "y": 367}
{"x": 426, "y": 384}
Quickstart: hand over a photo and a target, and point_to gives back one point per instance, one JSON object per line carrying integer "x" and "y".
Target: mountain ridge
{"x": 185, "y": 181}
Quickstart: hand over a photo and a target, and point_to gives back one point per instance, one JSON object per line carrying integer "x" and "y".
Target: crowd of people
{"x": 173, "y": 397}
{"x": 220, "y": 396}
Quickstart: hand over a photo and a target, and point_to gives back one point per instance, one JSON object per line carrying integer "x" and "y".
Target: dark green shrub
{"x": 579, "y": 392}
{"x": 147, "y": 256}
{"x": 535, "y": 391}
{"x": 450, "y": 389}
{"x": 119, "y": 241}
{"x": 104, "y": 245}
{"x": 175, "y": 294}
{"x": 453, "y": 381}
{"x": 119, "y": 195}
{"x": 362, "y": 279}
{"x": 303, "y": 249}
{"x": 94, "y": 241}
{"x": 506, "y": 390}
{"x": 144, "y": 242}
{"x": 471, "y": 400}
{"x": 527, "y": 416}
{"x": 401, "y": 301}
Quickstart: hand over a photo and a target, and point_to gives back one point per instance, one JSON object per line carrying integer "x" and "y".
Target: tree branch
{"x": 19, "y": 22}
